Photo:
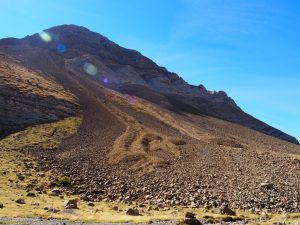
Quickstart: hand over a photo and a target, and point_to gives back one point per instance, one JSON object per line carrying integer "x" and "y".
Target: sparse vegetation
{"x": 45, "y": 136}
{"x": 65, "y": 181}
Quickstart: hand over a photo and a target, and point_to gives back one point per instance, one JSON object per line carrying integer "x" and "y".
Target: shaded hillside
{"x": 27, "y": 98}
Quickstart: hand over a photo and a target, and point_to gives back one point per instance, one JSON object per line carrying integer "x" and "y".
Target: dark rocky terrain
{"x": 146, "y": 135}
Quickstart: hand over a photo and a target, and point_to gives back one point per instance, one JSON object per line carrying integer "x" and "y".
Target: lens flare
{"x": 61, "y": 48}
{"x": 90, "y": 69}
{"x": 46, "y": 37}
{"x": 105, "y": 80}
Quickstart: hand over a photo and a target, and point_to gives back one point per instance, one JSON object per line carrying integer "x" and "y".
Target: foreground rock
{"x": 133, "y": 212}
{"x": 20, "y": 201}
{"x": 190, "y": 219}
{"x": 225, "y": 210}
{"x": 71, "y": 204}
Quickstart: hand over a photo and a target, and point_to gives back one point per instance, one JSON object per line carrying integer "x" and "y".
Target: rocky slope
{"x": 146, "y": 135}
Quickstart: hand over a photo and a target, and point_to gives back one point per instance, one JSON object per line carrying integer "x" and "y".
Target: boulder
{"x": 71, "y": 204}
{"x": 133, "y": 212}
{"x": 55, "y": 192}
{"x": 225, "y": 210}
{"x": 31, "y": 194}
{"x": 190, "y": 219}
{"x": 190, "y": 215}
{"x": 20, "y": 201}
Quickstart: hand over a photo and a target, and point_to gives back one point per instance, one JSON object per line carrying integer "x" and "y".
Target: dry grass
{"x": 45, "y": 136}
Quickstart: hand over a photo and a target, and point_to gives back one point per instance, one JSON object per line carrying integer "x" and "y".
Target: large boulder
{"x": 20, "y": 201}
{"x": 225, "y": 210}
{"x": 71, "y": 204}
{"x": 133, "y": 212}
{"x": 190, "y": 219}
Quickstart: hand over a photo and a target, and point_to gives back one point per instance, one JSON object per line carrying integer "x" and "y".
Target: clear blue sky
{"x": 250, "y": 49}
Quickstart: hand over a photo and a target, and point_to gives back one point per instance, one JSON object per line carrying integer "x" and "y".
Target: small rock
{"x": 1, "y": 205}
{"x": 71, "y": 204}
{"x": 192, "y": 221}
{"x": 190, "y": 215}
{"x": 52, "y": 210}
{"x": 91, "y": 204}
{"x": 225, "y": 210}
{"x": 133, "y": 212}
{"x": 116, "y": 208}
{"x": 31, "y": 194}
{"x": 266, "y": 185}
{"x": 20, "y": 201}
{"x": 21, "y": 176}
{"x": 55, "y": 192}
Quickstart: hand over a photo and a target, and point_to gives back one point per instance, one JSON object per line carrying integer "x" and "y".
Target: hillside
{"x": 146, "y": 135}
{"x": 130, "y": 72}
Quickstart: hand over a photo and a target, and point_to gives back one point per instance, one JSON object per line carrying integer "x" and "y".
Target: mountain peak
{"x": 128, "y": 71}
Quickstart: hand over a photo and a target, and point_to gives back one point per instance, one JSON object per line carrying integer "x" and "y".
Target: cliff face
{"x": 84, "y": 52}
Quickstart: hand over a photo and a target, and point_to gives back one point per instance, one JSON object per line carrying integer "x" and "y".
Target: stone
{"x": 91, "y": 204}
{"x": 71, "y": 204}
{"x": 55, "y": 192}
{"x": 225, "y": 210}
{"x": 31, "y": 194}
{"x": 266, "y": 185}
{"x": 51, "y": 210}
{"x": 20, "y": 201}
{"x": 1, "y": 205}
{"x": 133, "y": 212}
{"x": 190, "y": 215}
{"x": 21, "y": 176}
{"x": 116, "y": 208}
{"x": 192, "y": 221}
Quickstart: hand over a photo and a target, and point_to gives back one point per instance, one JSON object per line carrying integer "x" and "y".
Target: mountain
{"x": 129, "y": 72}
{"x": 146, "y": 134}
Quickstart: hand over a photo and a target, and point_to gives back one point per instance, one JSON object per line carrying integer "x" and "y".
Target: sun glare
{"x": 90, "y": 69}
{"x": 46, "y": 37}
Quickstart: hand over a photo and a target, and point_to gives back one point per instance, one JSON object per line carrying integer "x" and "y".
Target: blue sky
{"x": 250, "y": 49}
